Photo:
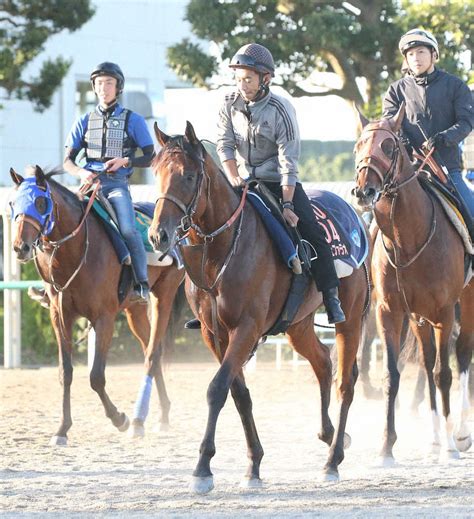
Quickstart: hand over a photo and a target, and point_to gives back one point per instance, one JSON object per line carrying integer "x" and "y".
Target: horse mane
{"x": 69, "y": 195}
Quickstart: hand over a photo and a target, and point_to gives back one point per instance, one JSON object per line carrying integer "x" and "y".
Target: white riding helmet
{"x": 417, "y": 38}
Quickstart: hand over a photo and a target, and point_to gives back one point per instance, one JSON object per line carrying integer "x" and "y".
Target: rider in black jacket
{"x": 439, "y": 109}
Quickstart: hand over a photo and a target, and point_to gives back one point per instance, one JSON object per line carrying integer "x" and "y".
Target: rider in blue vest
{"x": 110, "y": 136}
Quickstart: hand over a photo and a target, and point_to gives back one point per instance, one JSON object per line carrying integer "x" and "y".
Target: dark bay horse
{"x": 237, "y": 285}
{"x": 418, "y": 269}
{"x": 81, "y": 273}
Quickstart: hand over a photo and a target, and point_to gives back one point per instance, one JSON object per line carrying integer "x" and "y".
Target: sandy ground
{"x": 103, "y": 473}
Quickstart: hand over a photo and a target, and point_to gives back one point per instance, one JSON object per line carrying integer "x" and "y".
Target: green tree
{"x": 356, "y": 39}
{"x": 25, "y": 26}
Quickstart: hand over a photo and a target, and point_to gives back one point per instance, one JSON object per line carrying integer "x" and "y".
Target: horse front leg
{"x": 243, "y": 403}
{"x": 424, "y": 336}
{"x": 235, "y": 355}
{"x": 443, "y": 378}
{"x": 464, "y": 349}
{"x": 389, "y": 324}
{"x": 63, "y": 330}
{"x": 104, "y": 327}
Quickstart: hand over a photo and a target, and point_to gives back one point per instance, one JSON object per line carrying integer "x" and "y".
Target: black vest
{"x": 106, "y": 137}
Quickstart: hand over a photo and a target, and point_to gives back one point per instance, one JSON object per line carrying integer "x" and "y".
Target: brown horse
{"x": 237, "y": 286}
{"x": 81, "y": 273}
{"x": 418, "y": 271}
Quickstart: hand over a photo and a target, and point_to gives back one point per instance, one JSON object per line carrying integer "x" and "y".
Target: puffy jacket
{"x": 265, "y": 136}
{"x": 440, "y": 103}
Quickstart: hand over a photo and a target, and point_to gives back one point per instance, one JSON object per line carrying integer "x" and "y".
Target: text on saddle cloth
{"x": 342, "y": 226}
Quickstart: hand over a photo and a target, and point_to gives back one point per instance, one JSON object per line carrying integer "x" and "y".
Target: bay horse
{"x": 418, "y": 269}
{"x": 237, "y": 284}
{"x": 81, "y": 272}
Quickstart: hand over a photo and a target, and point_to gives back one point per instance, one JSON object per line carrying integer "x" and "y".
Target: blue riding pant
{"x": 117, "y": 192}
{"x": 462, "y": 188}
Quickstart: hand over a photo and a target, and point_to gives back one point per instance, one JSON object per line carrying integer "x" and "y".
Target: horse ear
{"x": 161, "y": 137}
{"x": 17, "y": 179}
{"x": 40, "y": 178}
{"x": 191, "y": 134}
{"x": 363, "y": 121}
{"x": 397, "y": 119}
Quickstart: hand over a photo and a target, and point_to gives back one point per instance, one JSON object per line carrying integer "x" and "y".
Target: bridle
{"x": 388, "y": 180}
{"x": 42, "y": 241}
{"x": 390, "y": 188}
{"x": 187, "y": 224}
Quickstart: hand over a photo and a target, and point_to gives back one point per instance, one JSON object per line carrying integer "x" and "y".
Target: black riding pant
{"x": 322, "y": 269}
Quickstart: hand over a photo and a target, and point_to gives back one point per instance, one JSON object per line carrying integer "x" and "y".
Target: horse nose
{"x": 369, "y": 193}
{"x": 22, "y": 249}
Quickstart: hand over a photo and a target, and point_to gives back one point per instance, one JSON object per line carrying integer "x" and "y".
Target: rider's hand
{"x": 290, "y": 217}
{"x": 237, "y": 182}
{"x": 87, "y": 177}
{"x": 435, "y": 141}
{"x": 112, "y": 165}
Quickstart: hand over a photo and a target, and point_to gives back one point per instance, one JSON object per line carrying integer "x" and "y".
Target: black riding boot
{"x": 141, "y": 293}
{"x": 193, "y": 324}
{"x": 333, "y": 306}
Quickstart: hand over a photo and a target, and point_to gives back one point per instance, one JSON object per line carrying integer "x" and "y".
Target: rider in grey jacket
{"x": 258, "y": 137}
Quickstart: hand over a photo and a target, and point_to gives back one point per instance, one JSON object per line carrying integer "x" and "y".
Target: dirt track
{"x": 104, "y": 473}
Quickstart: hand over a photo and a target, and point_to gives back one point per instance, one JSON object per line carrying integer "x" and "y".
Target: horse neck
{"x": 221, "y": 202}
{"x": 405, "y": 217}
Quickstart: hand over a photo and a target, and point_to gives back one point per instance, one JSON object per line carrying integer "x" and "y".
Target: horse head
{"x": 32, "y": 212}
{"x": 180, "y": 173}
{"x": 378, "y": 157}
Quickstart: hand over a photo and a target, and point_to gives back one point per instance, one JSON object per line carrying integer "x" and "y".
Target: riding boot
{"x": 193, "y": 324}
{"x": 333, "y": 306}
{"x": 141, "y": 293}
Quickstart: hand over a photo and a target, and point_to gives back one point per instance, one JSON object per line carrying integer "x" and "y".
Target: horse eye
{"x": 41, "y": 204}
{"x": 189, "y": 178}
{"x": 388, "y": 147}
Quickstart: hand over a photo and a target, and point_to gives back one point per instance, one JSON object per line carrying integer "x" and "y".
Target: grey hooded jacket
{"x": 263, "y": 137}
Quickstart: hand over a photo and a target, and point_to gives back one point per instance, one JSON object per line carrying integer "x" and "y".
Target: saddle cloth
{"x": 143, "y": 218}
{"x": 343, "y": 228}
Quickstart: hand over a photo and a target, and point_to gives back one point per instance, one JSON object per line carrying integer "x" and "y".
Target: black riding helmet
{"x": 108, "y": 68}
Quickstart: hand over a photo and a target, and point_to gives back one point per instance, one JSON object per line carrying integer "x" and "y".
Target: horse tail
{"x": 174, "y": 323}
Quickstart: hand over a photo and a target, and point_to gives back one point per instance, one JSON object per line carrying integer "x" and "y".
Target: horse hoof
{"x": 330, "y": 476}
{"x": 435, "y": 448}
{"x": 463, "y": 444}
{"x": 125, "y": 425}
{"x": 251, "y": 483}
{"x": 450, "y": 455}
{"x": 136, "y": 431}
{"x": 386, "y": 462}
{"x": 60, "y": 441}
{"x": 347, "y": 441}
{"x": 202, "y": 485}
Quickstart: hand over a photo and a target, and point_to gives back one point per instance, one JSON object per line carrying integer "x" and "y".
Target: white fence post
{"x": 11, "y": 301}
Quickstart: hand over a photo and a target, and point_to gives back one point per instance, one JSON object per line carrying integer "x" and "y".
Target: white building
{"x": 135, "y": 35}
